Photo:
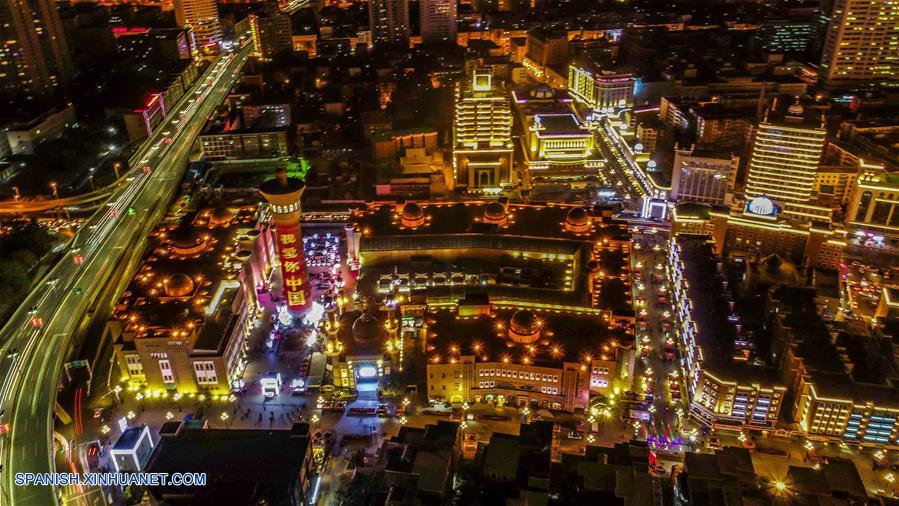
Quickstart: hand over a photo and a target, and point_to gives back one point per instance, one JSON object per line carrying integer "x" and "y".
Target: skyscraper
{"x": 34, "y": 56}
{"x": 389, "y": 20}
{"x": 203, "y": 17}
{"x": 482, "y": 135}
{"x": 438, "y": 20}
{"x": 785, "y": 156}
{"x": 862, "y": 43}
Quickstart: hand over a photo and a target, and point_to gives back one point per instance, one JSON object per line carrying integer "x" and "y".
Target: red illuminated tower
{"x": 283, "y": 194}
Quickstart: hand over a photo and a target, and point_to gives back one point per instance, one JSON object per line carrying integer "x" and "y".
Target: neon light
{"x": 367, "y": 371}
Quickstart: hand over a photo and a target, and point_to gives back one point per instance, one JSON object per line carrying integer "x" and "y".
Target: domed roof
{"x": 494, "y": 211}
{"x": 593, "y": 266}
{"x": 185, "y": 237}
{"x": 763, "y": 206}
{"x": 524, "y": 322}
{"x": 412, "y": 212}
{"x": 220, "y": 216}
{"x": 366, "y": 330}
{"x": 179, "y": 285}
{"x": 577, "y": 216}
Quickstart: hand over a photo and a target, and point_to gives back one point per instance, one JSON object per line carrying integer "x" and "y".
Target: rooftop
{"x": 242, "y": 466}
{"x": 561, "y": 337}
{"x": 560, "y": 124}
{"x": 188, "y": 279}
{"x": 716, "y": 334}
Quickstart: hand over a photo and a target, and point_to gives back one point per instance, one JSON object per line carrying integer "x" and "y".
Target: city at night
{"x": 449, "y": 252}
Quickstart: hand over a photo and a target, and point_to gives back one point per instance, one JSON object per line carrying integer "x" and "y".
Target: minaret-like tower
{"x": 283, "y": 194}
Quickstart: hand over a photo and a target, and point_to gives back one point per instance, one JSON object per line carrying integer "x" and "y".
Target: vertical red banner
{"x": 295, "y": 277}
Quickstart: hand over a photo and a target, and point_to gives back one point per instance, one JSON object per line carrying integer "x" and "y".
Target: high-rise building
{"x": 438, "y": 20}
{"x": 34, "y": 56}
{"x": 785, "y": 156}
{"x": 482, "y": 134}
{"x": 862, "y": 43}
{"x": 703, "y": 176}
{"x": 389, "y": 21}
{"x": 203, "y": 17}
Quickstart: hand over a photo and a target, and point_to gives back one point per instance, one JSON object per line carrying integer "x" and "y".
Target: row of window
{"x": 526, "y": 375}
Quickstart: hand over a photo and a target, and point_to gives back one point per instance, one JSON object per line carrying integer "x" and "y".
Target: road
{"x": 38, "y": 337}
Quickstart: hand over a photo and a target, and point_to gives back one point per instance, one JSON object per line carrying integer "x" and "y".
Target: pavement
{"x": 39, "y": 335}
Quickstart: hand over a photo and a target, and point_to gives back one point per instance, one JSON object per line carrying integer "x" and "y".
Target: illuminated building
{"x": 546, "y": 50}
{"x": 861, "y": 43}
{"x": 834, "y": 184}
{"x": 202, "y": 17}
{"x": 703, "y": 176}
{"x": 872, "y": 215}
{"x": 438, "y": 20}
{"x": 598, "y": 88}
{"x": 482, "y": 135}
{"x": 34, "y": 56}
{"x": 786, "y": 35}
{"x": 283, "y": 195}
{"x": 841, "y": 387}
{"x": 182, "y": 325}
{"x": 512, "y": 303}
{"x": 758, "y": 228}
{"x": 726, "y": 387}
{"x": 245, "y": 143}
{"x": 389, "y": 21}
{"x": 556, "y": 146}
{"x": 785, "y": 157}
{"x": 23, "y": 137}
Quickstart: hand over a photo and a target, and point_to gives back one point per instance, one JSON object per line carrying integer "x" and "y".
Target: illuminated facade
{"x": 724, "y": 388}
{"x": 513, "y": 304}
{"x": 34, "y": 56}
{"x": 283, "y": 194}
{"x": 182, "y": 325}
{"x": 556, "y": 146}
{"x": 784, "y": 160}
{"x": 482, "y": 136}
{"x": 872, "y": 215}
{"x": 861, "y": 44}
{"x": 202, "y": 17}
{"x": 839, "y": 391}
{"x": 703, "y": 176}
{"x": 600, "y": 89}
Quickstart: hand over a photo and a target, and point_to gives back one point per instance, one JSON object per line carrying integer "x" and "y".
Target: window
{"x": 135, "y": 368}
{"x": 165, "y": 367}
{"x": 205, "y": 371}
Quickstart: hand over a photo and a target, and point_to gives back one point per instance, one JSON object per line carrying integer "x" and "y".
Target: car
{"x": 33, "y": 310}
{"x": 77, "y": 290}
{"x": 12, "y": 352}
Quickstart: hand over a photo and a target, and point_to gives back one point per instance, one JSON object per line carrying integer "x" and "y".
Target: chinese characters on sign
{"x": 293, "y": 268}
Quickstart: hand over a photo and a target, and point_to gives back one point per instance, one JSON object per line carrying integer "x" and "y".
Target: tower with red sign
{"x": 283, "y": 195}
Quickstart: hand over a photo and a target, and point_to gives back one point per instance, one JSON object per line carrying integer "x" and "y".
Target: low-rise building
{"x": 703, "y": 176}
{"x": 731, "y": 384}
{"x": 844, "y": 385}
{"x": 21, "y": 137}
{"x": 872, "y": 215}
{"x": 556, "y": 146}
{"x": 600, "y": 88}
{"x": 241, "y": 466}
{"x": 182, "y": 325}
{"x": 512, "y": 304}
